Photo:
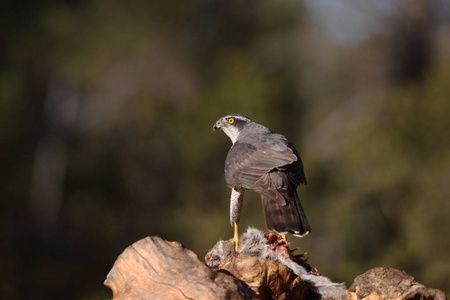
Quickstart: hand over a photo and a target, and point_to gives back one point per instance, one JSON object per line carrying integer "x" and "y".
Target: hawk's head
{"x": 232, "y": 125}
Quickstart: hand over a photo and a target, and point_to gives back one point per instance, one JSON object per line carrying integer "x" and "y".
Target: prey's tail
{"x": 283, "y": 219}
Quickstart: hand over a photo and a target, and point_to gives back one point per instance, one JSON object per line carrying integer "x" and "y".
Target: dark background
{"x": 107, "y": 108}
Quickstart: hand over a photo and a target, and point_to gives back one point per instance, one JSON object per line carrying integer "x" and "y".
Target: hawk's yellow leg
{"x": 236, "y": 236}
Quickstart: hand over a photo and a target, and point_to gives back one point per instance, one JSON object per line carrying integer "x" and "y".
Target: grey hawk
{"x": 268, "y": 164}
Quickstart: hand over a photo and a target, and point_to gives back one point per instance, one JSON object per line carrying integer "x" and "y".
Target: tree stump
{"x": 153, "y": 268}
{"x": 393, "y": 284}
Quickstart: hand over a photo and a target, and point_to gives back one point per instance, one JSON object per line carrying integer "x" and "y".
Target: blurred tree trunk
{"x": 411, "y": 44}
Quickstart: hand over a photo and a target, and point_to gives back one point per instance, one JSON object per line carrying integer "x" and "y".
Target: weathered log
{"x": 153, "y": 268}
{"x": 393, "y": 284}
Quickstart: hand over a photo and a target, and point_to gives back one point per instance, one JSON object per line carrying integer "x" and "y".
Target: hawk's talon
{"x": 283, "y": 240}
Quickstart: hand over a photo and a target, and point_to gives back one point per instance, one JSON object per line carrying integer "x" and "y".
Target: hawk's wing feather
{"x": 250, "y": 164}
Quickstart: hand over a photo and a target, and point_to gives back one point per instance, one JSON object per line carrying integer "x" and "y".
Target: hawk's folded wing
{"x": 250, "y": 165}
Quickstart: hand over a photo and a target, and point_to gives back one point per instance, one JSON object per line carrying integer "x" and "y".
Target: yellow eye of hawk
{"x": 231, "y": 120}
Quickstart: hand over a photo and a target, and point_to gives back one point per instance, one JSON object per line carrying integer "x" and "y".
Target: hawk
{"x": 268, "y": 164}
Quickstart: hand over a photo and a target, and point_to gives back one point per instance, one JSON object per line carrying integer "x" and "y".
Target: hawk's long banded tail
{"x": 283, "y": 219}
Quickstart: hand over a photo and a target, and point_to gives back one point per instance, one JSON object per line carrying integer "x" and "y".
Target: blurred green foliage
{"x": 107, "y": 111}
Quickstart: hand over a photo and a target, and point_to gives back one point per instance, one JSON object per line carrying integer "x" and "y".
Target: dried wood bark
{"x": 153, "y": 268}
{"x": 269, "y": 279}
{"x": 393, "y": 284}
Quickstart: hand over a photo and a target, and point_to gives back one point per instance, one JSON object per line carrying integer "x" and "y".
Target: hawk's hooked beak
{"x": 217, "y": 126}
